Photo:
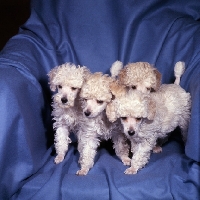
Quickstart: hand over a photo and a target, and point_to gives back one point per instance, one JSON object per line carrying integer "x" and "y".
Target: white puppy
{"x": 67, "y": 79}
{"x": 94, "y": 125}
{"x": 145, "y": 118}
{"x": 144, "y": 77}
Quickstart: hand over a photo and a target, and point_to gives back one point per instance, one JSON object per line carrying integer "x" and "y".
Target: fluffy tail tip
{"x": 178, "y": 71}
{"x": 115, "y": 68}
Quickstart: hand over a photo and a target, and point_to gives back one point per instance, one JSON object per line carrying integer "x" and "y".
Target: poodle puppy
{"x": 147, "y": 117}
{"x": 144, "y": 77}
{"x": 67, "y": 79}
{"x": 94, "y": 126}
{"x": 140, "y": 76}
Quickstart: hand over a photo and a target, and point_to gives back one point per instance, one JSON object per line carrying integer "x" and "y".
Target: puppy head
{"x": 131, "y": 109}
{"x": 140, "y": 76}
{"x": 95, "y": 94}
{"x": 67, "y": 79}
{"x": 117, "y": 89}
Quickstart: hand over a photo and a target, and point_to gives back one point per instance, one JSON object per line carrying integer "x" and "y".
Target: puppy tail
{"x": 115, "y": 68}
{"x": 178, "y": 71}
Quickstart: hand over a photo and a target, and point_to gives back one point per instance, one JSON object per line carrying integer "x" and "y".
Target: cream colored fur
{"x": 94, "y": 125}
{"x": 144, "y": 77}
{"x": 141, "y": 76}
{"x": 178, "y": 71}
{"x": 147, "y": 117}
{"x": 66, "y": 80}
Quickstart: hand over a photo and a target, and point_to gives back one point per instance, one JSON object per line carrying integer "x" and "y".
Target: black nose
{"x": 64, "y": 100}
{"x": 131, "y": 133}
{"x": 87, "y": 113}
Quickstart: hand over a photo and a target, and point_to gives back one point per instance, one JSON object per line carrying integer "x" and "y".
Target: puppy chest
{"x": 103, "y": 131}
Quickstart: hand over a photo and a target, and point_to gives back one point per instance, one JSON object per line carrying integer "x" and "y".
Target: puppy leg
{"x": 61, "y": 143}
{"x": 159, "y": 144}
{"x": 157, "y": 149}
{"x": 184, "y": 128}
{"x": 87, "y": 147}
{"x": 140, "y": 157}
{"x": 121, "y": 147}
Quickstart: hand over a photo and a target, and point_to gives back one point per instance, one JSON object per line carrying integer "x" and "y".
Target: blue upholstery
{"x": 95, "y": 34}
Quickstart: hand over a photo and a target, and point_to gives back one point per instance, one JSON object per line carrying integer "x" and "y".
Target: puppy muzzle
{"x": 131, "y": 132}
{"x": 87, "y": 113}
{"x": 64, "y": 100}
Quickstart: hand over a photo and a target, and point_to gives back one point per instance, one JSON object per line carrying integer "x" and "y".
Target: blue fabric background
{"x": 95, "y": 34}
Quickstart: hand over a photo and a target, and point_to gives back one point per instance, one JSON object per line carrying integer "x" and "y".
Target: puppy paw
{"x": 126, "y": 161}
{"x": 157, "y": 149}
{"x": 131, "y": 170}
{"x": 82, "y": 172}
{"x": 58, "y": 159}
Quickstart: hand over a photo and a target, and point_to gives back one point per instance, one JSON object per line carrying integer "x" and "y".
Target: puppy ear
{"x": 158, "y": 79}
{"x": 52, "y": 75}
{"x": 122, "y": 75}
{"x": 117, "y": 89}
{"x": 151, "y": 109}
{"x": 111, "y": 113}
{"x": 86, "y": 72}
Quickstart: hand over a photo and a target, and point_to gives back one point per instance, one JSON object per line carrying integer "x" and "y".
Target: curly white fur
{"x": 145, "y": 118}
{"x": 116, "y": 68}
{"x": 67, "y": 79}
{"x": 94, "y": 125}
{"x": 144, "y": 77}
{"x": 140, "y": 76}
{"x": 178, "y": 71}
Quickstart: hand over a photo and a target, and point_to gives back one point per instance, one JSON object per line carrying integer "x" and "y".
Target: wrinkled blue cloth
{"x": 95, "y": 34}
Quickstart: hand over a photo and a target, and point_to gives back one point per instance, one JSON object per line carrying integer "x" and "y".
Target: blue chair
{"x": 95, "y": 34}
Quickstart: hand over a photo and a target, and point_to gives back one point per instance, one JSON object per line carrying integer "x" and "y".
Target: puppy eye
{"x": 123, "y": 118}
{"x": 60, "y": 86}
{"x": 99, "y": 101}
{"x": 73, "y": 88}
{"x": 133, "y": 87}
{"x": 152, "y": 90}
{"x": 138, "y": 118}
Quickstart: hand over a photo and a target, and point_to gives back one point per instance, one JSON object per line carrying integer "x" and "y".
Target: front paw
{"x": 157, "y": 149}
{"x": 58, "y": 159}
{"x": 131, "y": 170}
{"x": 126, "y": 161}
{"x": 82, "y": 172}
